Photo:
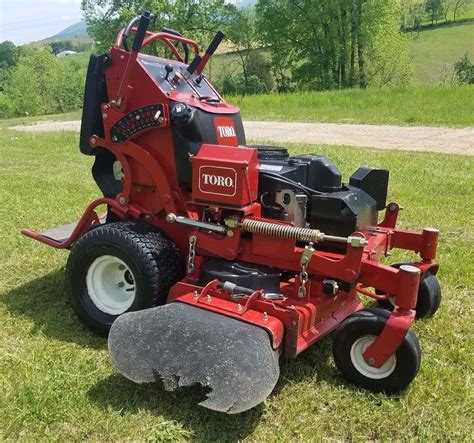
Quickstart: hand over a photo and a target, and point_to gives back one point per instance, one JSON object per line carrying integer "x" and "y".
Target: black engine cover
{"x": 343, "y": 213}
{"x": 333, "y": 207}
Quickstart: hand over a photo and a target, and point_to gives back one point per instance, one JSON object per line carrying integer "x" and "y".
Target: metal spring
{"x": 281, "y": 231}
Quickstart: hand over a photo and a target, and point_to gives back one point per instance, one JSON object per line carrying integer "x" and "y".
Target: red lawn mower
{"x": 216, "y": 258}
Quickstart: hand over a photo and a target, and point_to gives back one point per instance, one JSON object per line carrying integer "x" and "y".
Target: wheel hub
{"x": 111, "y": 285}
{"x": 357, "y": 350}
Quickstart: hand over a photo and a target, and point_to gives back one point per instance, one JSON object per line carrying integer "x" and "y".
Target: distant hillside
{"x": 434, "y": 51}
{"x": 75, "y": 32}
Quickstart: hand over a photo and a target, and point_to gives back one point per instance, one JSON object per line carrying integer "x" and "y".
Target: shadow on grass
{"x": 181, "y": 406}
{"x": 44, "y": 300}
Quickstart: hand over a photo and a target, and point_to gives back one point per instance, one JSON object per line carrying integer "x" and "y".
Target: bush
{"x": 464, "y": 70}
{"x": 259, "y": 67}
{"x": 237, "y": 85}
{"x": 6, "y": 106}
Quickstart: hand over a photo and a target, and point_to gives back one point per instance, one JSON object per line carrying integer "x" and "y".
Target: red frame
{"x": 151, "y": 191}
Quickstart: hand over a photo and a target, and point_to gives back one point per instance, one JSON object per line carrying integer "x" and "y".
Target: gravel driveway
{"x": 412, "y": 138}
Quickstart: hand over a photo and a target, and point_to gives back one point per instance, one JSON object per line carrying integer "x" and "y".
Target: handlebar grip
{"x": 171, "y": 31}
{"x": 194, "y": 64}
{"x": 141, "y": 31}
{"x": 216, "y": 41}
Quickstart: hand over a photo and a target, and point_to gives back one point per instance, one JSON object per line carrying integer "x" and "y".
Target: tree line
{"x": 275, "y": 46}
{"x": 416, "y": 13}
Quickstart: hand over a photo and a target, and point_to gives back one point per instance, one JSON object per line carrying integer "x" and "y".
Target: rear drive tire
{"x": 120, "y": 267}
{"x": 355, "y": 335}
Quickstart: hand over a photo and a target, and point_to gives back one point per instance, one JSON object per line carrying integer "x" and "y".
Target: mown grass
{"x": 437, "y": 106}
{"x": 434, "y": 51}
{"x": 56, "y": 379}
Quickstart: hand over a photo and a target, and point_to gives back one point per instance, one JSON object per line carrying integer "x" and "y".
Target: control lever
{"x": 216, "y": 41}
{"x": 189, "y": 70}
{"x": 141, "y": 31}
{"x": 169, "y": 69}
{"x": 192, "y": 67}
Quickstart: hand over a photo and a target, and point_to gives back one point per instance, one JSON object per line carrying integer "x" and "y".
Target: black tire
{"x": 429, "y": 298}
{"x": 154, "y": 265}
{"x": 351, "y": 334}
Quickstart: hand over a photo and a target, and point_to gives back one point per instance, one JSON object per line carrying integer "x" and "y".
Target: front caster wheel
{"x": 120, "y": 267}
{"x": 355, "y": 335}
{"x": 429, "y": 298}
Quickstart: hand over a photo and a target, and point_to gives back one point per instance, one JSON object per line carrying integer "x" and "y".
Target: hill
{"x": 435, "y": 50}
{"x": 75, "y": 32}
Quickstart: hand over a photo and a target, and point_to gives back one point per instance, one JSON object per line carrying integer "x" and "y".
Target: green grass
{"x": 56, "y": 378}
{"x": 440, "y": 106}
{"x": 436, "y": 106}
{"x": 435, "y": 50}
{"x": 81, "y": 59}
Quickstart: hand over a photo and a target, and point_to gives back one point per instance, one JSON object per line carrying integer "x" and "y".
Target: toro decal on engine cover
{"x": 218, "y": 180}
{"x": 225, "y": 131}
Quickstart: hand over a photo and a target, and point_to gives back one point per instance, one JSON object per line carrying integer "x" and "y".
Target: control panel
{"x": 135, "y": 121}
{"x": 169, "y": 76}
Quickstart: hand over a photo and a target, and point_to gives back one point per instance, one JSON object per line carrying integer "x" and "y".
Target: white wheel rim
{"x": 357, "y": 350}
{"x": 111, "y": 285}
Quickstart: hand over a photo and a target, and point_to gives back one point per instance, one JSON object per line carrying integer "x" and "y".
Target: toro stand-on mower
{"x": 215, "y": 258}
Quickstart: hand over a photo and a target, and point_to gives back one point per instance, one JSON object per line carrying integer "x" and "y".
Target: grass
{"x": 81, "y": 60}
{"x": 437, "y": 106}
{"x": 56, "y": 378}
{"x": 435, "y": 50}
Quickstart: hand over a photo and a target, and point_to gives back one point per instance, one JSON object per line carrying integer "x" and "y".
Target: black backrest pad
{"x": 95, "y": 93}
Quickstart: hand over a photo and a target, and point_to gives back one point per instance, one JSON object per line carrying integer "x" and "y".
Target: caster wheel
{"x": 429, "y": 297}
{"x": 355, "y": 335}
{"x": 120, "y": 267}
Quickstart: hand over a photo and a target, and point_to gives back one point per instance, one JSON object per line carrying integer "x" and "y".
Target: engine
{"x": 306, "y": 190}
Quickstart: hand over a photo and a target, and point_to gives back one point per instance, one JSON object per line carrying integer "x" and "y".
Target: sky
{"x": 23, "y": 21}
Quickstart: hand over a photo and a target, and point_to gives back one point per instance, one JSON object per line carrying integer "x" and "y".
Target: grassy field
{"x": 436, "y": 106}
{"x": 420, "y": 106}
{"x": 435, "y": 50}
{"x": 56, "y": 379}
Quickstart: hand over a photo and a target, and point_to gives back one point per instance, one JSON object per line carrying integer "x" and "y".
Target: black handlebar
{"x": 216, "y": 41}
{"x": 185, "y": 46}
{"x": 141, "y": 31}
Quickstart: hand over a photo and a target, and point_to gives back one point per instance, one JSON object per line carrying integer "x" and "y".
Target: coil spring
{"x": 281, "y": 231}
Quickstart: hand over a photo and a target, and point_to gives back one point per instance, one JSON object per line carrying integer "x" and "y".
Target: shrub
{"x": 464, "y": 70}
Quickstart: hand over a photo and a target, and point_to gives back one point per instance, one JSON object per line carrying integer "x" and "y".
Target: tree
{"x": 42, "y": 84}
{"x": 62, "y": 45}
{"x": 327, "y": 44}
{"x": 434, "y": 10}
{"x": 8, "y": 55}
{"x": 243, "y": 41}
{"x": 459, "y": 6}
{"x": 197, "y": 19}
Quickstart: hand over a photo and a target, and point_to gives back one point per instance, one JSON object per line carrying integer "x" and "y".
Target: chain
{"x": 192, "y": 254}
{"x": 304, "y": 262}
